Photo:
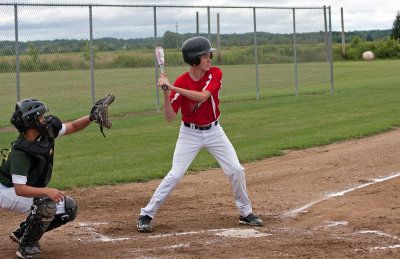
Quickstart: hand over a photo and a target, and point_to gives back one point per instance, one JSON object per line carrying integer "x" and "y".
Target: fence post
{"x": 17, "y": 51}
{"x": 326, "y": 36}
{"x": 330, "y": 45}
{"x": 218, "y": 42}
{"x": 209, "y": 24}
{"x": 255, "y": 52}
{"x": 155, "y": 58}
{"x": 295, "y": 54}
{"x": 197, "y": 24}
{"x": 91, "y": 53}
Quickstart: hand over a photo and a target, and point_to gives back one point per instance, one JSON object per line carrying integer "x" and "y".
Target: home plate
{"x": 242, "y": 233}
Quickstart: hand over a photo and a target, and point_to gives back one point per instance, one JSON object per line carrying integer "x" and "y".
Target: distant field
{"x": 68, "y": 93}
{"x": 139, "y": 148}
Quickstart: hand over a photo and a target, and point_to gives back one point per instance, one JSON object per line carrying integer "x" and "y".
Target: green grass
{"x": 140, "y": 148}
{"x": 68, "y": 93}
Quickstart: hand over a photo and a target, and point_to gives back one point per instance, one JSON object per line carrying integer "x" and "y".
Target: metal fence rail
{"x": 31, "y": 24}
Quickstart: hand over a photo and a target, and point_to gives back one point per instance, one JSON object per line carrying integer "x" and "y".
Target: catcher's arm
{"x": 76, "y": 125}
{"x": 99, "y": 112}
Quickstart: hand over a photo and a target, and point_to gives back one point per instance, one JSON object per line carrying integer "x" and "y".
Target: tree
{"x": 86, "y": 51}
{"x": 369, "y": 38}
{"x": 32, "y": 51}
{"x": 395, "y": 33}
{"x": 355, "y": 42}
{"x": 171, "y": 40}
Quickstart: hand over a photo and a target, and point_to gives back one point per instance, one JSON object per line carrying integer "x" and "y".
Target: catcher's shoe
{"x": 17, "y": 234}
{"x": 252, "y": 220}
{"x": 144, "y": 224}
{"x": 27, "y": 251}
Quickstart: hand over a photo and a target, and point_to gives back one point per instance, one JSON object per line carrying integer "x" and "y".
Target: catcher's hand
{"x": 99, "y": 112}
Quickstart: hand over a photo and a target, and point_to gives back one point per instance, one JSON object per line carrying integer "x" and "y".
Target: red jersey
{"x": 199, "y": 113}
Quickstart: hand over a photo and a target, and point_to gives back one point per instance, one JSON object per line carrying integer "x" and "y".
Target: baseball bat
{"x": 160, "y": 61}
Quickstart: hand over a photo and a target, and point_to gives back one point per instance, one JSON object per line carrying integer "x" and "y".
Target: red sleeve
{"x": 214, "y": 80}
{"x": 175, "y": 98}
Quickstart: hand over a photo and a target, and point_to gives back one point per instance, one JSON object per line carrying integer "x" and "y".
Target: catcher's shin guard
{"x": 43, "y": 211}
{"x": 71, "y": 211}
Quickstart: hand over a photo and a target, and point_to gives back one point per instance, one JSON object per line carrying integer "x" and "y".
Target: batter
{"x": 196, "y": 94}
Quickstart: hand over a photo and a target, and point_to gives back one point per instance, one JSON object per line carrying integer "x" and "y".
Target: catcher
{"x": 26, "y": 171}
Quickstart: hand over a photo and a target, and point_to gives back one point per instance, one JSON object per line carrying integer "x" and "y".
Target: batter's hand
{"x": 163, "y": 80}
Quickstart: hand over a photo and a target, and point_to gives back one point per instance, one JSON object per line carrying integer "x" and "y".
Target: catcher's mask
{"x": 27, "y": 116}
{"x": 193, "y": 48}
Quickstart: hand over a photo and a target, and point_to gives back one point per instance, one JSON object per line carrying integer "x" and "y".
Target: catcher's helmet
{"x": 26, "y": 116}
{"x": 193, "y": 48}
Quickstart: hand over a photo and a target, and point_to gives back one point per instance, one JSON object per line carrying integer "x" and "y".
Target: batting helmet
{"x": 193, "y": 48}
{"x": 26, "y": 116}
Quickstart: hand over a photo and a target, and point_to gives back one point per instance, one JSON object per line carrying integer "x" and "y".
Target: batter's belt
{"x": 205, "y": 127}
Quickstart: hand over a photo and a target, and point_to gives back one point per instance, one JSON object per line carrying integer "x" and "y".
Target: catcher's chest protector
{"x": 41, "y": 151}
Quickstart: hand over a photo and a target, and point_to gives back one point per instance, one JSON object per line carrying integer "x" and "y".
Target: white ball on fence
{"x": 368, "y": 55}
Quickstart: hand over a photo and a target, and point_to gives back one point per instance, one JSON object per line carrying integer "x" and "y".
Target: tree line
{"x": 172, "y": 40}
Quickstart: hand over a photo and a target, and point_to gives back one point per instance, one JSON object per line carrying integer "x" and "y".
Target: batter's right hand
{"x": 163, "y": 80}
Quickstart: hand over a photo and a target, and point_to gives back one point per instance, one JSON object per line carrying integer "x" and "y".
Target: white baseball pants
{"x": 189, "y": 143}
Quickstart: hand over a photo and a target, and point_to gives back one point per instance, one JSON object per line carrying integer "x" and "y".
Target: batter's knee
{"x": 235, "y": 172}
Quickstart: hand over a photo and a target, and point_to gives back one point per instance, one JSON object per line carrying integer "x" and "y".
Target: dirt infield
{"x": 336, "y": 201}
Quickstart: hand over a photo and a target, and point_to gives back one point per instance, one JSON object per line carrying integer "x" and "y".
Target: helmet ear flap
{"x": 17, "y": 121}
{"x": 194, "y": 61}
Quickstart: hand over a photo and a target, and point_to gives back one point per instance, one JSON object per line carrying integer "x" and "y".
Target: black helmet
{"x": 193, "y": 48}
{"x": 26, "y": 115}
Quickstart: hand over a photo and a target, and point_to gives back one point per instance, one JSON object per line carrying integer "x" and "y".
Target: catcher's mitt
{"x": 99, "y": 112}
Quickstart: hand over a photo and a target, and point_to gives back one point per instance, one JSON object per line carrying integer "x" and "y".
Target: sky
{"x": 358, "y": 15}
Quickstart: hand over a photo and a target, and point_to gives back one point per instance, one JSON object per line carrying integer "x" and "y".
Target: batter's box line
{"x": 224, "y": 232}
{"x": 379, "y": 233}
{"x": 295, "y": 212}
{"x": 188, "y": 233}
{"x": 89, "y": 229}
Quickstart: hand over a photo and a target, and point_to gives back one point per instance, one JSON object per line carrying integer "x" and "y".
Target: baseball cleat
{"x": 17, "y": 234}
{"x": 144, "y": 224}
{"x": 27, "y": 251}
{"x": 251, "y": 220}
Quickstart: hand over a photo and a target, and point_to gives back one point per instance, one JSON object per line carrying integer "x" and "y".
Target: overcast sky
{"x": 358, "y": 15}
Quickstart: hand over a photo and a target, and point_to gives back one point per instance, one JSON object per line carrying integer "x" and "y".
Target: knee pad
{"x": 71, "y": 210}
{"x": 44, "y": 208}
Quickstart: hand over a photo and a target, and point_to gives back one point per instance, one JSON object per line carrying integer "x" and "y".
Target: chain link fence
{"x": 70, "y": 55}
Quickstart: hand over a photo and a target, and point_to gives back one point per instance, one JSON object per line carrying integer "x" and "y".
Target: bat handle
{"x": 164, "y": 87}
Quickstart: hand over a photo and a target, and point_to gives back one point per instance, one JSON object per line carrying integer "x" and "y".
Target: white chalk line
{"x": 379, "y": 233}
{"x": 224, "y": 232}
{"x": 240, "y": 233}
{"x": 188, "y": 233}
{"x": 295, "y": 212}
{"x": 97, "y": 236}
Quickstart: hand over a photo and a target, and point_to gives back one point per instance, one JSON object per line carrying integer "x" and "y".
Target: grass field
{"x": 68, "y": 93}
{"x": 140, "y": 148}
